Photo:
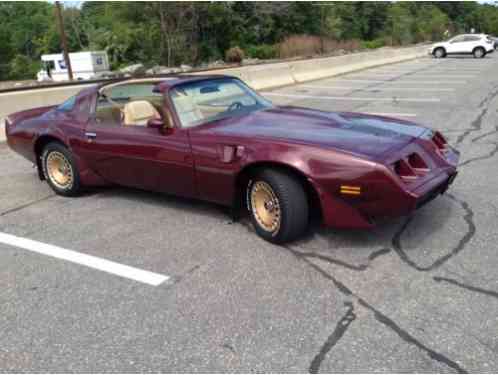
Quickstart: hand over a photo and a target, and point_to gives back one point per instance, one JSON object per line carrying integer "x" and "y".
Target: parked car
{"x": 495, "y": 42}
{"x": 214, "y": 138}
{"x": 466, "y": 44}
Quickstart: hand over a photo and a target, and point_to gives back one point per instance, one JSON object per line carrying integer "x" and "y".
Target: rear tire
{"x": 60, "y": 169}
{"x": 439, "y": 53}
{"x": 479, "y": 53}
{"x": 278, "y": 206}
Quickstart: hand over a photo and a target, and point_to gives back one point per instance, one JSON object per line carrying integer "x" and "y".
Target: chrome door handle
{"x": 90, "y": 136}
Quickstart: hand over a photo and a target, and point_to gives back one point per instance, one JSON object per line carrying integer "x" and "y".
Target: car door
{"x": 471, "y": 41}
{"x": 457, "y": 45}
{"x": 200, "y": 107}
{"x": 138, "y": 155}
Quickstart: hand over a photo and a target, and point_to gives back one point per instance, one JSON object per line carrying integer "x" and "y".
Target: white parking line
{"x": 353, "y": 98}
{"x": 100, "y": 264}
{"x": 391, "y": 114}
{"x": 411, "y": 74}
{"x": 429, "y": 69}
{"x": 378, "y": 88}
{"x": 400, "y": 81}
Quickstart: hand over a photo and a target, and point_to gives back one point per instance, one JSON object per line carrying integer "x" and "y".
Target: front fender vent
{"x": 418, "y": 164}
{"x": 404, "y": 171}
{"x": 440, "y": 142}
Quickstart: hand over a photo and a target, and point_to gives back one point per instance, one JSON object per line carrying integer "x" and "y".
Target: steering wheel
{"x": 234, "y": 106}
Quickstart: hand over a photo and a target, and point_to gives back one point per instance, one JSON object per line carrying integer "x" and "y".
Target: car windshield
{"x": 200, "y": 102}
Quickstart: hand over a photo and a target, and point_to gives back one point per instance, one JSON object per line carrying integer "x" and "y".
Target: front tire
{"x": 60, "y": 169}
{"x": 278, "y": 206}
{"x": 479, "y": 53}
{"x": 439, "y": 53}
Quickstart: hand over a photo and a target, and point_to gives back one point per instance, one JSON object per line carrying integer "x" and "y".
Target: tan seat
{"x": 139, "y": 112}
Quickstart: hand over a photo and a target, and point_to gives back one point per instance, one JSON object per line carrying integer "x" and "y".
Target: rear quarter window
{"x": 68, "y": 105}
{"x": 472, "y": 38}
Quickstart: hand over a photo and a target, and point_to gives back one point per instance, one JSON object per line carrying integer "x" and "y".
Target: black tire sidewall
{"x": 288, "y": 230}
{"x": 443, "y": 53}
{"x": 479, "y": 49}
{"x": 75, "y": 187}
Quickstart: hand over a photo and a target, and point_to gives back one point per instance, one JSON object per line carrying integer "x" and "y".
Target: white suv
{"x": 472, "y": 44}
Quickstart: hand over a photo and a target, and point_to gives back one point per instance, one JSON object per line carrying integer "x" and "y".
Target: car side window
{"x": 68, "y": 105}
{"x": 107, "y": 114}
{"x": 458, "y": 39}
{"x": 131, "y": 104}
{"x": 471, "y": 38}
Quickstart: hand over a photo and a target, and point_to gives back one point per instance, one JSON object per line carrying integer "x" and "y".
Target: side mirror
{"x": 155, "y": 123}
{"x": 160, "y": 125}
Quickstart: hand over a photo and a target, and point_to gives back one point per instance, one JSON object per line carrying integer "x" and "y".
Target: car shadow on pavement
{"x": 167, "y": 201}
{"x": 421, "y": 239}
{"x": 468, "y": 57}
{"x": 425, "y": 233}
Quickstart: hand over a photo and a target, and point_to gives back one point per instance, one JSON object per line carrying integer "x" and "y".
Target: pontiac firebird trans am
{"x": 213, "y": 138}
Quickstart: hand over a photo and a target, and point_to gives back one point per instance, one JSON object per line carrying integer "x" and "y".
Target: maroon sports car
{"x": 213, "y": 138}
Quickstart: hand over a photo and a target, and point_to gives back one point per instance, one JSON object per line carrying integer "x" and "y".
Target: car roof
{"x": 479, "y": 35}
{"x": 163, "y": 84}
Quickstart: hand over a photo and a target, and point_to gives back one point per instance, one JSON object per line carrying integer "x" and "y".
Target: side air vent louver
{"x": 417, "y": 163}
{"x": 440, "y": 141}
{"x": 404, "y": 171}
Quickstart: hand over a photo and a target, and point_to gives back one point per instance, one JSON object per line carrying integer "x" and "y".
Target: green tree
{"x": 22, "y": 67}
{"x": 173, "y": 33}
{"x": 6, "y": 52}
{"x": 400, "y": 23}
{"x": 431, "y": 23}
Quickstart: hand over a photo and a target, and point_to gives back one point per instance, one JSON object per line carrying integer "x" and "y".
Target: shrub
{"x": 372, "y": 44}
{"x": 263, "y": 52}
{"x": 234, "y": 55}
{"x": 309, "y": 45}
{"x": 22, "y": 67}
{"x": 332, "y": 45}
{"x": 300, "y": 45}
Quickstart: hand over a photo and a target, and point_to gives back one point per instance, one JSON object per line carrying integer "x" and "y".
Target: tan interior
{"x": 109, "y": 116}
{"x": 138, "y": 112}
{"x": 187, "y": 110}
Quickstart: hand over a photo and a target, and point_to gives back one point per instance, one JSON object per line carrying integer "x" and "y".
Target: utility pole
{"x": 62, "y": 33}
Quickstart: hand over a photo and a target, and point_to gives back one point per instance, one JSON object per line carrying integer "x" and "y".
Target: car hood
{"x": 356, "y": 133}
{"x": 439, "y": 44}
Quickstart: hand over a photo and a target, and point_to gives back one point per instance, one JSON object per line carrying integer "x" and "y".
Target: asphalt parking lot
{"x": 417, "y": 294}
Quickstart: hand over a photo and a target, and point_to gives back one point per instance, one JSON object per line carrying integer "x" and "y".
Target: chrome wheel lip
{"x": 59, "y": 170}
{"x": 265, "y": 207}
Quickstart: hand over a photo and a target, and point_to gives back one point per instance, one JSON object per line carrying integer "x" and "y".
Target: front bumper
{"x": 434, "y": 192}
{"x": 342, "y": 213}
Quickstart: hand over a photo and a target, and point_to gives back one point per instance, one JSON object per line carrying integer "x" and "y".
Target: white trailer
{"x": 85, "y": 65}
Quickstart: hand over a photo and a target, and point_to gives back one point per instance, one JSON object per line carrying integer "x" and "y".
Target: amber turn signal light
{"x": 351, "y": 190}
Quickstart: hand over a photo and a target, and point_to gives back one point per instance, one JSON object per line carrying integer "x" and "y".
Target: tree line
{"x": 173, "y": 33}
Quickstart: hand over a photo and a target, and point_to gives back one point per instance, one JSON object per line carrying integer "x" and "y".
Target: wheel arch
{"x": 479, "y": 47}
{"x": 250, "y": 170}
{"x": 39, "y": 145}
{"x": 439, "y": 47}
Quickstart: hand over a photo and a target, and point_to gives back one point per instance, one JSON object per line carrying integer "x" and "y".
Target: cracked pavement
{"x": 415, "y": 294}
